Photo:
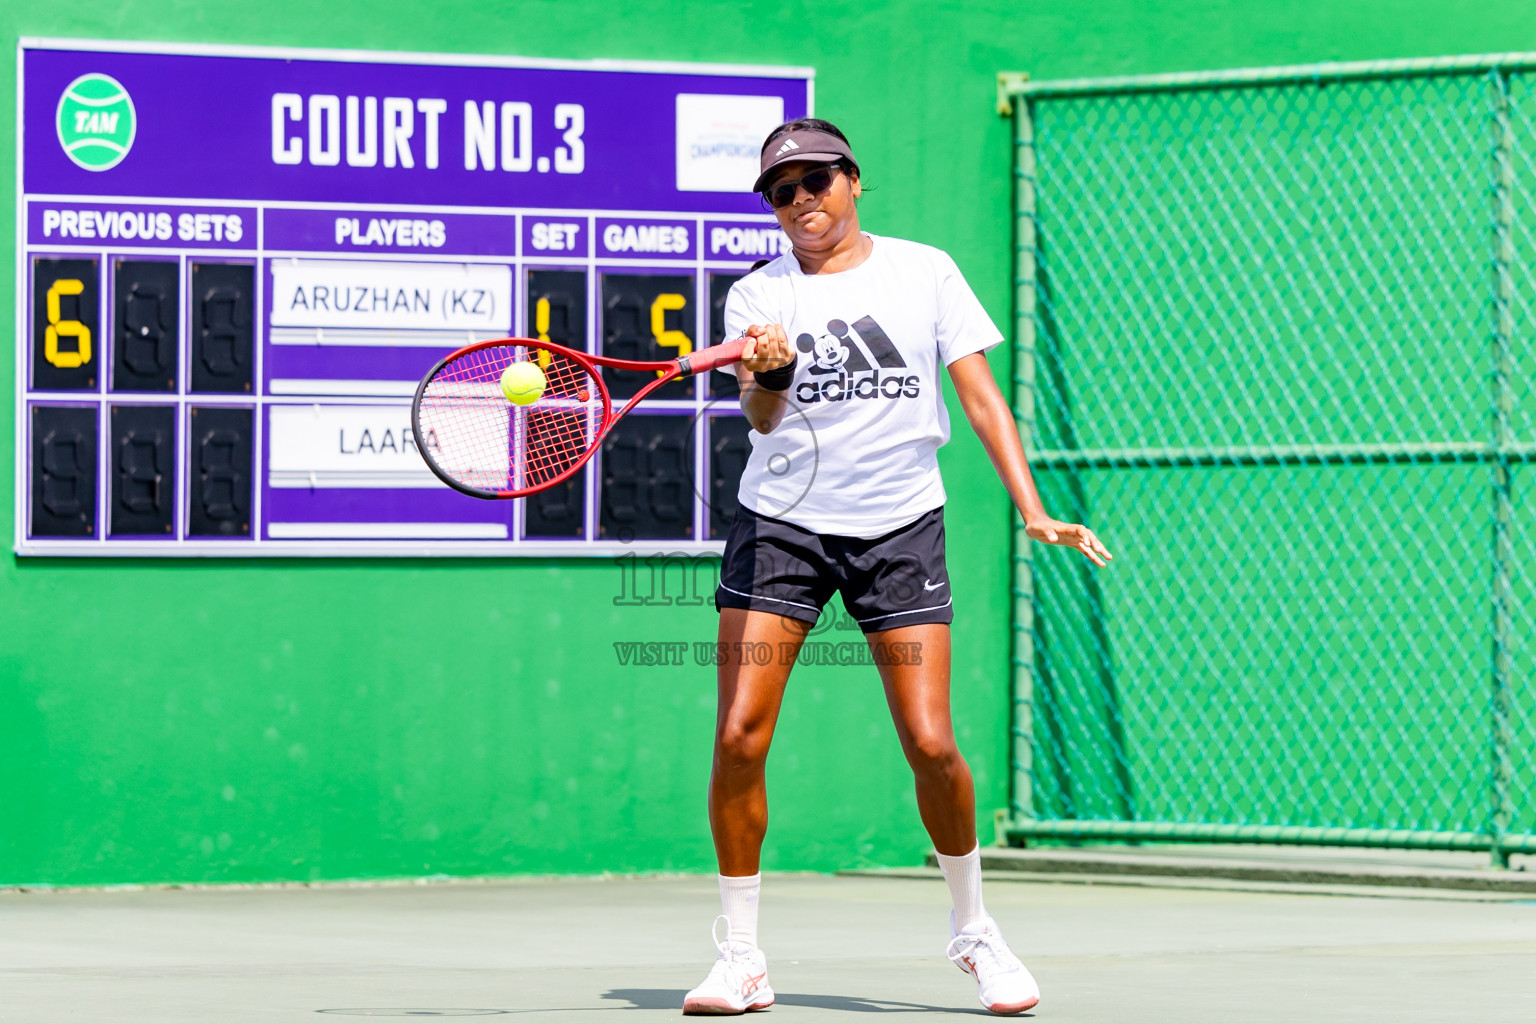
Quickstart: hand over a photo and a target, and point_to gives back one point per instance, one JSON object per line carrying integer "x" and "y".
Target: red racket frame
{"x": 702, "y": 361}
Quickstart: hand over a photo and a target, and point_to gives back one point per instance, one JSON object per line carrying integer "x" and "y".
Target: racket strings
{"x": 555, "y": 440}
{"x": 482, "y": 440}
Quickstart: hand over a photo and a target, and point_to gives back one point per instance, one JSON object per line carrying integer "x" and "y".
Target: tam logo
{"x": 96, "y": 122}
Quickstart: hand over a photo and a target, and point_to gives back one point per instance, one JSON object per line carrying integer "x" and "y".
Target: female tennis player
{"x": 841, "y": 493}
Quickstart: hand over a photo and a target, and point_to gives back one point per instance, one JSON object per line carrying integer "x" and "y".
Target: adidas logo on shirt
{"x": 844, "y": 360}
{"x": 789, "y": 144}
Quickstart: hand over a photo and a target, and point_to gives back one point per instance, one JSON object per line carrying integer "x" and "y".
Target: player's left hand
{"x": 1070, "y": 535}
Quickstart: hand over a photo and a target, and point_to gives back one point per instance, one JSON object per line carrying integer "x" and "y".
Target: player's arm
{"x": 767, "y": 348}
{"x": 992, "y": 420}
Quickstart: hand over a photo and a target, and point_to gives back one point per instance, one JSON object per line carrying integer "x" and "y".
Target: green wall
{"x": 226, "y": 721}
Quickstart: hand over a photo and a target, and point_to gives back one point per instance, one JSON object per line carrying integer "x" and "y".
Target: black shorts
{"x": 898, "y": 579}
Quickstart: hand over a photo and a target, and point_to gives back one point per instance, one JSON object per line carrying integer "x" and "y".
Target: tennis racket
{"x": 478, "y": 442}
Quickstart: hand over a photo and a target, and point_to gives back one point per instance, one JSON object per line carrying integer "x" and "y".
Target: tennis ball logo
{"x": 96, "y": 122}
{"x": 522, "y": 383}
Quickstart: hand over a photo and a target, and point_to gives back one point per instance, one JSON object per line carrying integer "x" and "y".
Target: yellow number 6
{"x": 664, "y": 303}
{"x": 65, "y": 328}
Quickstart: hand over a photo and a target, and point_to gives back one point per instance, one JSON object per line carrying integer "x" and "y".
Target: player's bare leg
{"x": 918, "y": 695}
{"x": 751, "y": 692}
{"x": 750, "y": 696}
{"x": 914, "y": 666}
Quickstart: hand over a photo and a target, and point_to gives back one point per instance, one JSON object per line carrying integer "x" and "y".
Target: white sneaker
{"x": 737, "y": 983}
{"x": 1005, "y": 986}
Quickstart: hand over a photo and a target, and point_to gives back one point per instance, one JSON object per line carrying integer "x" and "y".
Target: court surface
{"x": 844, "y": 948}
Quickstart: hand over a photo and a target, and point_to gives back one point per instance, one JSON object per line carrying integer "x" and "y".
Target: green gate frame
{"x": 1016, "y": 96}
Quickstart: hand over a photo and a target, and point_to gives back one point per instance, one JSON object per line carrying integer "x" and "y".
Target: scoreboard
{"x": 235, "y": 263}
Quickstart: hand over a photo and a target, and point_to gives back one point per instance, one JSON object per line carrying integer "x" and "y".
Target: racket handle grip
{"x": 706, "y": 359}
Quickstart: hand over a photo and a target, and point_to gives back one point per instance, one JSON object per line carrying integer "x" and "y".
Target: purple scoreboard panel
{"x": 234, "y": 264}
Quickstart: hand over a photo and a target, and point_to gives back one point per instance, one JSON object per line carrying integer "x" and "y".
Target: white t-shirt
{"x": 855, "y": 453}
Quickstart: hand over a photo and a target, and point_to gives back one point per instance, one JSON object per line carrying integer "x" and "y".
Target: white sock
{"x": 964, "y": 877}
{"x": 738, "y": 902}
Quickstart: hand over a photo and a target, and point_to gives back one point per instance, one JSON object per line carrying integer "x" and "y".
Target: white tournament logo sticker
{"x": 96, "y": 122}
{"x": 719, "y": 138}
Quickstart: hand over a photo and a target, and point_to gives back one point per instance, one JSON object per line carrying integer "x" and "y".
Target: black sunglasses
{"x": 816, "y": 182}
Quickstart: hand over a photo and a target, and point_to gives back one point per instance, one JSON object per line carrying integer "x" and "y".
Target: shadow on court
{"x": 672, "y": 999}
{"x": 663, "y": 999}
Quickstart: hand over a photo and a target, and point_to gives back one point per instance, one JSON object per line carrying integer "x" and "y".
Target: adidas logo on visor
{"x": 789, "y": 144}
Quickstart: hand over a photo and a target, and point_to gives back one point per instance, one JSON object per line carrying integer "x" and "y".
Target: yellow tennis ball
{"x": 522, "y": 383}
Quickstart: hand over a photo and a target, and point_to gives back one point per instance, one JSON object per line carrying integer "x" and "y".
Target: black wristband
{"x": 778, "y": 378}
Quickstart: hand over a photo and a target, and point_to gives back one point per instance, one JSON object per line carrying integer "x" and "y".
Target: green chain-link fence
{"x": 1274, "y": 343}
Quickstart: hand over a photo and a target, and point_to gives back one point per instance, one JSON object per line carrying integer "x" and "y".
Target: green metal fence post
{"x": 1500, "y": 810}
{"x": 1021, "y": 790}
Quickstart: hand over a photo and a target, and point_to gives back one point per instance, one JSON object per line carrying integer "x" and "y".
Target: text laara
{"x": 364, "y": 441}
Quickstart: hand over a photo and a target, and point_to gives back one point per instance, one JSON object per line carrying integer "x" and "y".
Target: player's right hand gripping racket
{"x": 479, "y": 442}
